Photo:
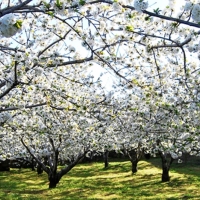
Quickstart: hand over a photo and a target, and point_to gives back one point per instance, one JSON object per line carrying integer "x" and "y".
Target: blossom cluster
{"x": 196, "y": 13}
{"x": 155, "y": 95}
{"x": 140, "y": 5}
{"x": 10, "y": 25}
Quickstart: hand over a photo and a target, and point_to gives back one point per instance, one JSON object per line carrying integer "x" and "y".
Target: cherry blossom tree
{"x": 52, "y": 135}
{"x": 50, "y": 50}
{"x": 129, "y": 130}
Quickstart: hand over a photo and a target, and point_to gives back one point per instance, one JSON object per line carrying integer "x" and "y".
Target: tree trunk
{"x": 106, "y": 159}
{"x": 54, "y": 176}
{"x": 53, "y": 180}
{"x": 165, "y": 173}
{"x": 39, "y": 169}
{"x": 166, "y": 163}
{"x": 5, "y": 165}
{"x": 134, "y": 156}
{"x": 33, "y": 165}
{"x": 147, "y": 156}
{"x": 134, "y": 166}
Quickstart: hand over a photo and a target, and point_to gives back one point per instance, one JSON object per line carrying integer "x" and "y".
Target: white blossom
{"x": 39, "y": 71}
{"x": 188, "y": 6}
{"x": 140, "y": 5}
{"x": 180, "y": 161}
{"x": 174, "y": 155}
{"x": 196, "y": 13}
{"x": 7, "y": 25}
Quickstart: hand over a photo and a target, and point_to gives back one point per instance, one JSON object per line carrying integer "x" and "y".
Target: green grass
{"x": 91, "y": 181}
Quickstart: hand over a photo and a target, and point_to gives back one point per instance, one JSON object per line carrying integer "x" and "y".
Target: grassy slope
{"x": 91, "y": 181}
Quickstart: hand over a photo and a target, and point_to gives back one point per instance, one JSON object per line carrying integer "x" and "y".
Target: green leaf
{"x": 82, "y": 2}
{"x": 59, "y": 4}
{"x": 47, "y": 5}
{"x": 135, "y": 81}
{"x": 50, "y": 13}
{"x": 131, "y": 16}
{"x": 148, "y": 95}
{"x": 130, "y": 28}
{"x": 176, "y": 112}
{"x": 18, "y": 24}
{"x": 157, "y": 11}
{"x": 174, "y": 24}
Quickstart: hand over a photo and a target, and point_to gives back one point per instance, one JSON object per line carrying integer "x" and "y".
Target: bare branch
{"x": 12, "y": 9}
{"x": 46, "y": 169}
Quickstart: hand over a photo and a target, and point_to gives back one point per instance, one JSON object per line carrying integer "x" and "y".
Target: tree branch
{"x": 12, "y": 9}
{"x": 46, "y": 169}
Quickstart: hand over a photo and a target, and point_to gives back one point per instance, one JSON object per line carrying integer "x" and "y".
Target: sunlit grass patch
{"x": 92, "y": 181}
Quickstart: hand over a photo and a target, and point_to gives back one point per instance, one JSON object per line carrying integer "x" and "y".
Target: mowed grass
{"x": 92, "y": 181}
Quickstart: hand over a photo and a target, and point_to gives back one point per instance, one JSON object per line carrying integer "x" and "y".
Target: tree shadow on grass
{"x": 191, "y": 169}
{"x": 16, "y": 184}
{"x": 121, "y": 167}
{"x": 97, "y": 170}
{"x": 116, "y": 182}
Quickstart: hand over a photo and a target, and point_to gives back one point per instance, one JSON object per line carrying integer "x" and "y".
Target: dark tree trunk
{"x": 134, "y": 166}
{"x": 165, "y": 174}
{"x": 39, "y": 169}
{"x": 32, "y": 168}
{"x": 53, "y": 180}
{"x": 166, "y": 163}
{"x": 147, "y": 156}
{"x": 5, "y": 165}
{"x": 33, "y": 165}
{"x": 106, "y": 159}
{"x": 134, "y": 156}
{"x": 54, "y": 176}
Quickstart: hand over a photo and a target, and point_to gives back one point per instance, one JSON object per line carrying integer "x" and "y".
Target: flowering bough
{"x": 151, "y": 55}
{"x": 10, "y": 25}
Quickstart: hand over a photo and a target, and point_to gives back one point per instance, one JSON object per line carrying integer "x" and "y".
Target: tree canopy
{"x": 54, "y": 56}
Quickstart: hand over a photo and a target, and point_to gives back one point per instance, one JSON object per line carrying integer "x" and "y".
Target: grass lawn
{"x": 91, "y": 181}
